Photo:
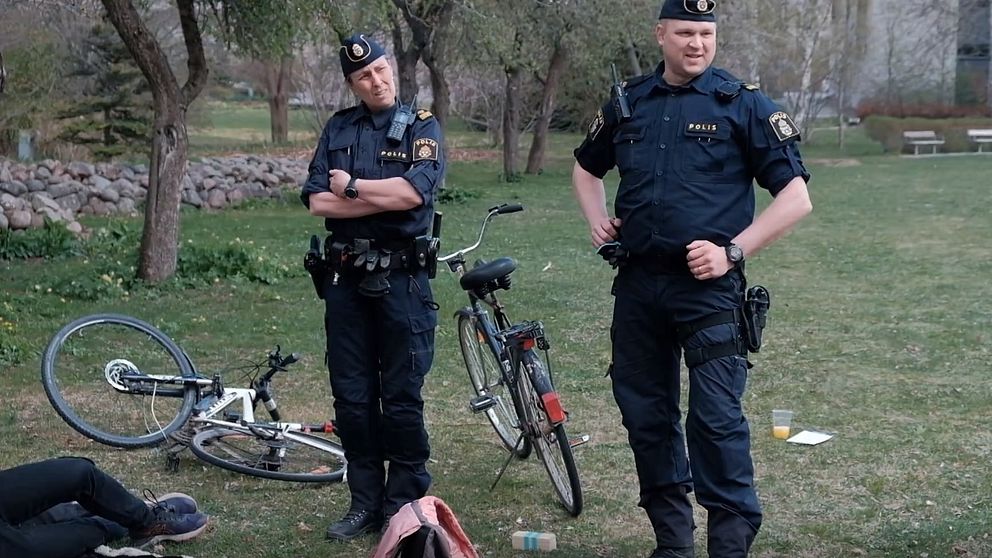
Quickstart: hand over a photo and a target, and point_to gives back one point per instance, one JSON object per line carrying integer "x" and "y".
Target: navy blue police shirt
{"x": 354, "y": 140}
{"x": 688, "y": 157}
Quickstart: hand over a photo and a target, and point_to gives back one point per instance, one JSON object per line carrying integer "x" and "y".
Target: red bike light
{"x": 552, "y": 405}
{"x": 528, "y": 344}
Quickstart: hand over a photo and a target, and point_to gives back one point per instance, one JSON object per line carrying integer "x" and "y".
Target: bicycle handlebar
{"x": 507, "y": 208}
{"x": 501, "y": 209}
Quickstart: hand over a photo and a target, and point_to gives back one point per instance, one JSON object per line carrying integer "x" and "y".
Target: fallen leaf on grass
{"x": 303, "y": 527}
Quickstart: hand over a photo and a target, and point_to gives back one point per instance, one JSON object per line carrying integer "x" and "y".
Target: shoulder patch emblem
{"x": 597, "y": 124}
{"x": 751, "y": 87}
{"x": 425, "y": 149}
{"x": 424, "y": 114}
{"x": 783, "y": 126}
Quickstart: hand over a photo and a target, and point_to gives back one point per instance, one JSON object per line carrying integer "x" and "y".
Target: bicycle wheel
{"x": 81, "y": 370}
{"x": 550, "y": 441}
{"x": 272, "y": 454}
{"x": 484, "y": 371}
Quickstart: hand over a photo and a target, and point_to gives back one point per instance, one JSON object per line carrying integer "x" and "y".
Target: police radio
{"x": 620, "y": 103}
{"x": 401, "y": 120}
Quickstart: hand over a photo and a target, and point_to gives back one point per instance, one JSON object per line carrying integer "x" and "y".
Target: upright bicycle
{"x": 513, "y": 387}
{"x": 120, "y": 381}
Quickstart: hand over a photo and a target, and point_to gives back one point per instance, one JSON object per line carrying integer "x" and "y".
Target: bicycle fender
{"x": 463, "y": 311}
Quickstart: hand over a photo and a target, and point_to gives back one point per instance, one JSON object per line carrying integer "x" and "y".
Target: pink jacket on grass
{"x": 434, "y": 513}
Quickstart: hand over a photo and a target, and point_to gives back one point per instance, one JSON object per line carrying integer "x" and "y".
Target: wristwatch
{"x": 734, "y": 253}
{"x": 350, "y": 191}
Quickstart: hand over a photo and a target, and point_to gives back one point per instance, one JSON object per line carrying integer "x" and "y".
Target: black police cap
{"x": 358, "y": 51}
{"x": 691, "y": 10}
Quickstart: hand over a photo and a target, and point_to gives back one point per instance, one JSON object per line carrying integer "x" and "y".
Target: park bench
{"x": 980, "y": 137}
{"x": 916, "y": 138}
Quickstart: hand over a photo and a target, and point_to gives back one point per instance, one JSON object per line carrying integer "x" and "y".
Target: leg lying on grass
{"x": 60, "y": 508}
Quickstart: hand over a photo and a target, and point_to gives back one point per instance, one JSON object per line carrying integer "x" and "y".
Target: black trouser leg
{"x": 31, "y": 489}
{"x": 406, "y": 342}
{"x": 646, "y": 377}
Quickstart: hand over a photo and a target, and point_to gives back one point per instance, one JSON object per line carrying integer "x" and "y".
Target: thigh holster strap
{"x": 697, "y": 356}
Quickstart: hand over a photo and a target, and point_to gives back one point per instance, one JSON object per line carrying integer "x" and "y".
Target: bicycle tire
{"x": 330, "y": 465}
{"x": 77, "y": 371}
{"x": 550, "y": 441}
{"x": 484, "y": 371}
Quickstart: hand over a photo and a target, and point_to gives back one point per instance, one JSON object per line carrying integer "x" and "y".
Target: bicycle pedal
{"x": 482, "y": 403}
{"x": 576, "y": 441}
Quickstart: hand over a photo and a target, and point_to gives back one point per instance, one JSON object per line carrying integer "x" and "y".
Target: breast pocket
{"x": 706, "y": 148}
{"x": 628, "y": 145}
{"x": 339, "y": 154}
{"x": 394, "y": 161}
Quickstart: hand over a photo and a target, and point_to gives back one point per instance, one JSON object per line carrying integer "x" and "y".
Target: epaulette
{"x": 728, "y": 91}
{"x": 424, "y": 114}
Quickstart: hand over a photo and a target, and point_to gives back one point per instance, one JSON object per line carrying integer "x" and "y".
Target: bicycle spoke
{"x": 83, "y": 371}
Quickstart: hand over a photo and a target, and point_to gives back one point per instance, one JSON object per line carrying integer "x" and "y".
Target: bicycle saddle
{"x": 489, "y": 271}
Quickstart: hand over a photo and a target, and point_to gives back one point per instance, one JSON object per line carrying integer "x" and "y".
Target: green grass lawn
{"x": 880, "y": 331}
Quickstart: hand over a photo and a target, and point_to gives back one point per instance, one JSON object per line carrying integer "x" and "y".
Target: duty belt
{"x": 672, "y": 263}
{"x": 361, "y": 254}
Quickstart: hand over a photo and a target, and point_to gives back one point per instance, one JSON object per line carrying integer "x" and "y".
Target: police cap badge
{"x": 357, "y": 51}
{"x": 691, "y": 10}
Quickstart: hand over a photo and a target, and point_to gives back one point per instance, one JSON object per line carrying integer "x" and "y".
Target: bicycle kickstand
{"x": 506, "y": 464}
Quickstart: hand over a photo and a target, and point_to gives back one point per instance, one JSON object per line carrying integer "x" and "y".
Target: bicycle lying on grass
{"x": 513, "y": 387}
{"x": 122, "y": 382}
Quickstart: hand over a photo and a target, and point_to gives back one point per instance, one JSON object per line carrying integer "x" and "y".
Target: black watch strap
{"x": 350, "y": 191}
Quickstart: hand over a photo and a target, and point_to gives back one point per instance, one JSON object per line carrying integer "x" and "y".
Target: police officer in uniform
{"x": 372, "y": 179}
{"x": 687, "y": 150}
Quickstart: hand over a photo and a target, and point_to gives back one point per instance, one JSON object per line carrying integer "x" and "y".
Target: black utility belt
{"x": 674, "y": 263}
{"x": 368, "y": 255}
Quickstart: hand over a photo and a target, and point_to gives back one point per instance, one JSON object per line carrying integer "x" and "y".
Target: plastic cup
{"x": 781, "y": 423}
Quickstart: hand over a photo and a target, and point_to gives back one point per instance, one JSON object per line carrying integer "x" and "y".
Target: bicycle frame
{"x": 495, "y": 331}
{"x": 213, "y": 400}
{"x": 536, "y": 419}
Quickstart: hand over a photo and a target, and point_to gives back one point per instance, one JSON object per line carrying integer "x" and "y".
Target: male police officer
{"x": 687, "y": 151}
{"x": 372, "y": 178}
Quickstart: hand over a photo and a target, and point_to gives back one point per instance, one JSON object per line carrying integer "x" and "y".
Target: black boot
{"x": 354, "y": 523}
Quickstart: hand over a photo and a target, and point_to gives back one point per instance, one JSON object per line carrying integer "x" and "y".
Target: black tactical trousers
{"x": 378, "y": 351}
{"x": 647, "y": 387}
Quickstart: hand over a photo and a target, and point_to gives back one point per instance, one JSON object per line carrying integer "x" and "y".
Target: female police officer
{"x": 687, "y": 151}
{"x": 372, "y": 178}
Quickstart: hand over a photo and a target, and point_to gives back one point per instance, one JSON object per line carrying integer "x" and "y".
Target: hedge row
{"x": 888, "y": 131}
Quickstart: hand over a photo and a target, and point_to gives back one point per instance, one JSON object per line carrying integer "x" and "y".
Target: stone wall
{"x": 31, "y": 193}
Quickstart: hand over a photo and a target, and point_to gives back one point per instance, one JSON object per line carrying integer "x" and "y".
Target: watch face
{"x": 734, "y": 253}
{"x": 351, "y": 192}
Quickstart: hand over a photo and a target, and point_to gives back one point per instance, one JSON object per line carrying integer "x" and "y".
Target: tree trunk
{"x": 436, "y": 60}
{"x": 431, "y": 31}
{"x": 442, "y": 94}
{"x": 160, "y": 237}
{"x": 406, "y": 61}
{"x": 635, "y": 62}
{"x": 511, "y": 123}
{"x": 277, "y": 82}
{"x": 556, "y": 67}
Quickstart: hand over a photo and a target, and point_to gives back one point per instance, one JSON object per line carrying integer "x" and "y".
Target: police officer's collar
{"x": 379, "y": 119}
{"x": 702, "y": 83}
